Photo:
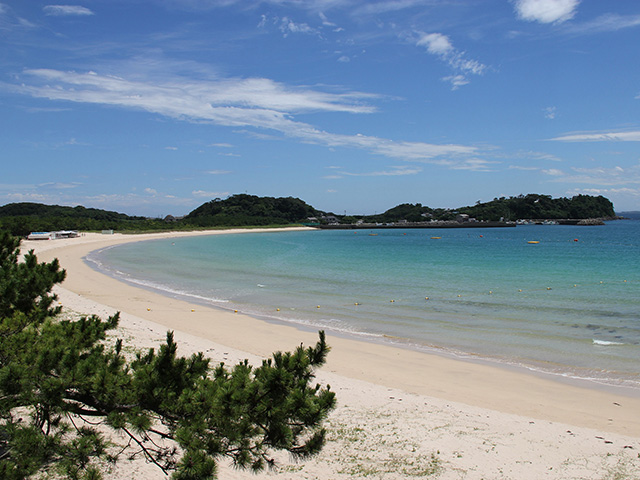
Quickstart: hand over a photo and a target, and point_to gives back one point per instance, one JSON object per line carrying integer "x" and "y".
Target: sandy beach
{"x": 400, "y": 413}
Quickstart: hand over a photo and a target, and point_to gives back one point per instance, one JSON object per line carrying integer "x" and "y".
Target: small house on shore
{"x": 52, "y": 235}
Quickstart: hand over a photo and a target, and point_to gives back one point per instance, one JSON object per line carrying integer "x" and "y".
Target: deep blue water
{"x": 569, "y": 305}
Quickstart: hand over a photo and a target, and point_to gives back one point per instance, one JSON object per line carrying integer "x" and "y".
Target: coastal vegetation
{"x": 249, "y": 210}
{"x": 64, "y": 388}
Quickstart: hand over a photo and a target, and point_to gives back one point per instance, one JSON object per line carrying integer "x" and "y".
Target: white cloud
{"x": 630, "y": 136}
{"x": 385, "y": 6}
{"x": 395, "y": 171}
{"x": 610, "y": 192}
{"x": 221, "y": 145}
{"x": 441, "y": 46}
{"x": 150, "y": 191}
{"x": 59, "y": 185}
{"x": 456, "y": 81}
{"x": 550, "y": 113}
{"x": 546, "y": 11}
{"x": 205, "y": 194}
{"x": 65, "y": 10}
{"x": 435, "y": 43}
{"x": 475, "y": 165}
{"x": 520, "y": 167}
{"x": 217, "y": 172}
{"x": 9, "y": 21}
{"x": 610, "y": 22}
{"x": 610, "y": 176}
{"x": 288, "y": 26}
{"x": 256, "y": 102}
{"x": 171, "y": 148}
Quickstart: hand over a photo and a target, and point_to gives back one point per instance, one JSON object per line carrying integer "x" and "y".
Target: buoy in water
{"x": 277, "y": 309}
{"x": 148, "y": 309}
{"x": 533, "y": 241}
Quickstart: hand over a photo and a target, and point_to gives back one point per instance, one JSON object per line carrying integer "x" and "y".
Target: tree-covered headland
{"x": 62, "y": 384}
{"x": 249, "y": 210}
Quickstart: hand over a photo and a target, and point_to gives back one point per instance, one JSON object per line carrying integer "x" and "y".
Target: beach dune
{"x": 401, "y": 413}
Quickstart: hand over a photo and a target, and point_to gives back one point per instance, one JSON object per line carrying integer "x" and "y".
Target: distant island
{"x": 245, "y": 210}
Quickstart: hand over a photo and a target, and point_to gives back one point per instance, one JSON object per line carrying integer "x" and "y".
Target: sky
{"x": 154, "y": 107}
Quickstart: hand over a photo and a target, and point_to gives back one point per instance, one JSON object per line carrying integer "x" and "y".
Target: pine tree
{"x": 60, "y": 380}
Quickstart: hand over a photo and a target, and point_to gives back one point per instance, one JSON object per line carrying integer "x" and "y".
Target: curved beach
{"x": 400, "y": 413}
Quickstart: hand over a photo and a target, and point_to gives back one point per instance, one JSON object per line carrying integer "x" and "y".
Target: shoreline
{"x": 502, "y": 388}
{"x": 590, "y": 378}
{"x": 399, "y": 413}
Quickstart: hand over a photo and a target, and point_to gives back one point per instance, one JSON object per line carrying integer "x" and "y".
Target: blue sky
{"x": 153, "y": 107}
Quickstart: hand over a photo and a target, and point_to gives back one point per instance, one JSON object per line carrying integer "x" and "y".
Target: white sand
{"x": 400, "y": 413}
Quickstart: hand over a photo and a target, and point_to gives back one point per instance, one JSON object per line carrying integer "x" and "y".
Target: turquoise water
{"x": 569, "y": 305}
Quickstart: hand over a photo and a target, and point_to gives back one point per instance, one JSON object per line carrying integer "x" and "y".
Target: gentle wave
{"x": 605, "y": 342}
{"x": 490, "y": 299}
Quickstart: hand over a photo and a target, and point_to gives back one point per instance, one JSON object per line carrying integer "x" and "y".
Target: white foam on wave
{"x": 105, "y": 268}
{"x": 605, "y": 342}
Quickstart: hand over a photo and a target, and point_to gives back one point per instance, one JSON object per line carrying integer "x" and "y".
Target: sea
{"x": 567, "y": 305}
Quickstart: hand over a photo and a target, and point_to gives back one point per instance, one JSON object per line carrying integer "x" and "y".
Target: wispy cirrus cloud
{"x": 609, "y": 192}
{"x": 610, "y": 22}
{"x": 546, "y": 11}
{"x": 288, "y": 26}
{"x": 255, "y": 102}
{"x": 625, "y": 136}
{"x": 440, "y": 45}
{"x": 66, "y": 10}
{"x": 208, "y": 194}
{"x": 386, "y": 6}
{"x": 607, "y": 176}
{"x": 9, "y": 21}
{"x": 394, "y": 171}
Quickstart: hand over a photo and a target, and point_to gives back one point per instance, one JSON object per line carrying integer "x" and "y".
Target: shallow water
{"x": 569, "y": 305}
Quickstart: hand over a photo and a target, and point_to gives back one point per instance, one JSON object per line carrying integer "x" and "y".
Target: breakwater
{"x": 443, "y": 224}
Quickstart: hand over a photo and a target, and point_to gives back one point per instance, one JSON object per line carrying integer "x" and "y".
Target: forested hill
{"x": 250, "y": 210}
{"x": 238, "y": 210}
{"x": 534, "y": 206}
{"x": 243, "y": 209}
{"x": 22, "y": 218}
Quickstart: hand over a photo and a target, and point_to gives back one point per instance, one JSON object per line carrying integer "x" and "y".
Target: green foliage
{"x": 20, "y": 219}
{"x": 541, "y": 207}
{"x": 405, "y": 211}
{"x": 242, "y": 210}
{"x": 180, "y": 413}
{"x": 530, "y": 206}
{"x": 249, "y": 210}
